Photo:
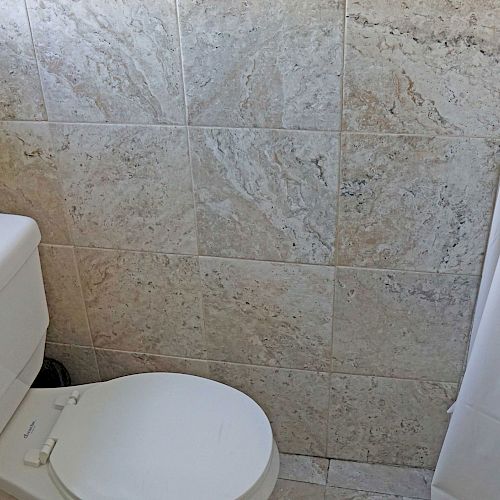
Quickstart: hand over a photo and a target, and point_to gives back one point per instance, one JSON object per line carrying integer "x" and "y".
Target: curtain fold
{"x": 469, "y": 464}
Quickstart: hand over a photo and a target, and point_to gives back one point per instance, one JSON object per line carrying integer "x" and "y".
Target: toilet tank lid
{"x": 19, "y": 237}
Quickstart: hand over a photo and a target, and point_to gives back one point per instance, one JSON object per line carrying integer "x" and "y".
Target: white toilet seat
{"x": 162, "y": 436}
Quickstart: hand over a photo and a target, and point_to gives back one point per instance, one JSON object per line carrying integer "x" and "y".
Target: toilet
{"x": 148, "y": 436}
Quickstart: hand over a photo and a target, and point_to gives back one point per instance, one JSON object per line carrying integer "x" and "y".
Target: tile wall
{"x": 290, "y": 197}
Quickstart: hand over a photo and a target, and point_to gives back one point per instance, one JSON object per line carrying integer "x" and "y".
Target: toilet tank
{"x": 23, "y": 311}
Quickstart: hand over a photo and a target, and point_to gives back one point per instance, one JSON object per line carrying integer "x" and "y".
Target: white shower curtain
{"x": 469, "y": 463}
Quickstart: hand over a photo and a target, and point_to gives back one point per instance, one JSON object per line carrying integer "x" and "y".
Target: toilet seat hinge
{"x": 37, "y": 457}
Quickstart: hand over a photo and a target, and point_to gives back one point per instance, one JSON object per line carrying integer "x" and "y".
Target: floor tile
{"x": 402, "y": 481}
{"x": 294, "y": 490}
{"x": 303, "y": 468}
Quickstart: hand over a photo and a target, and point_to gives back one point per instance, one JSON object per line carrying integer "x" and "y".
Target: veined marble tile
{"x": 127, "y": 187}
{"x": 20, "y": 91}
{"x": 303, "y": 468}
{"x": 143, "y": 302}
{"x": 416, "y": 203}
{"x": 28, "y": 178}
{"x": 385, "y": 420}
{"x": 422, "y": 67}
{"x": 400, "y": 324}
{"x": 265, "y": 63}
{"x": 296, "y": 402}
{"x": 113, "y": 364}
{"x": 109, "y": 61}
{"x": 268, "y": 313}
{"x": 401, "y": 481}
{"x": 266, "y": 194}
{"x": 68, "y": 319}
{"x": 294, "y": 490}
{"x": 79, "y": 361}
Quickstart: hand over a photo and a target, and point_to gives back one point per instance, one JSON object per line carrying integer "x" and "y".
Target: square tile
{"x": 266, "y": 194}
{"x": 20, "y": 91}
{"x": 268, "y": 313}
{"x": 29, "y": 183}
{"x": 106, "y": 61}
{"x": 422, "y": 67}
{"x": 127, "y": 187}
{"x": 79, "y": 361}
{"x": 403, "y": 481}
{"x": 385, "y": 420}
{"x": 143, "y": 302}
{"x": 296, "y": 402}
{"x": 303, "y": 468}
{"x": 113, "y": 364}
{"x": 68, "y": 318}
{"x": 416, "y": 203}
{"x": 401, "y": 324}
{"x": 263, "y": 63}
{"x": 294, "y": 490}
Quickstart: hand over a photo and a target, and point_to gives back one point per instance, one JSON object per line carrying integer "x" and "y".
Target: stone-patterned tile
{"x": 294, "y": 490}
{"x": 391, "y": 421}
{"x": 268, "y": 313}
{"x": 346, "y": 494}
{"x": 28, "y": 178}
{"x": 143, "y": 302}
{"x": 426, "y": 66}
{"x": 113, "y": 364}
{"x": 296, "y": 402}
{"x": 303, "y": 468}
{"x": 401, "y": 324}
{"x": 266, "y": 194}
{"x": 20, "y": 91}
{"x": 416, "y": 203}
{"x": 402, "y": 481}
{"x": 79, "y": 361}
{"x": 109, "y": 61}
{"x": 127, "y": 187}
{"x": 265, "y": 63}
{"x": 68, "y": 319}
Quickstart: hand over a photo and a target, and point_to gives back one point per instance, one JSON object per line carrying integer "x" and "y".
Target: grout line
{"x": 270, "y": 261}
{"x": 75, "y": 260}
{"x": 193, "y": 185}
{"x": 291, "y": 130}
{"x": 254, "y": 365}
{"x": 35, "y": 54}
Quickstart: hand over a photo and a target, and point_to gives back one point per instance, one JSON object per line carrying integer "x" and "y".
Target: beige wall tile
{"x": 294, "y": 490}
{"x": 143, "y": 302}
{"x": 127, "y": 187}
{"x": 385, "y": 420}
{"x": 409, "y": 325}
{"x": 28, "y": 178}
{"x": 263, "y": 63}
{"x": 268, "y": 313}
{"x": 20, "y": 91}
{"x": 422, "y": 67}
{"x": 266, "y": 194}
{"x": 79, "y": 361}
{"x": 102, "y": 61}
{"x": 113, "y": 364}
{"x": 295, "y": 401}
{"x": 416, "y": 203}
{"x": 68, "y": 319}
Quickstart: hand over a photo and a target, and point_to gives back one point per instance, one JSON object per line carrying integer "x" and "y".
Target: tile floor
{"x": 311, "y": 478}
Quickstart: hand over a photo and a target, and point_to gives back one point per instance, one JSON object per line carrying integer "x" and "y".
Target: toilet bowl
{"x": 147, "y": 436}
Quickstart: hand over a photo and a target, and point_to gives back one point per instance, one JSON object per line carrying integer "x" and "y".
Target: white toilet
{"x": 149, "y": 436}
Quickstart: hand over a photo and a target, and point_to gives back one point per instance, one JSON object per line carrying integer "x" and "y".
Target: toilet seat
{"x": 161, "y": 436}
